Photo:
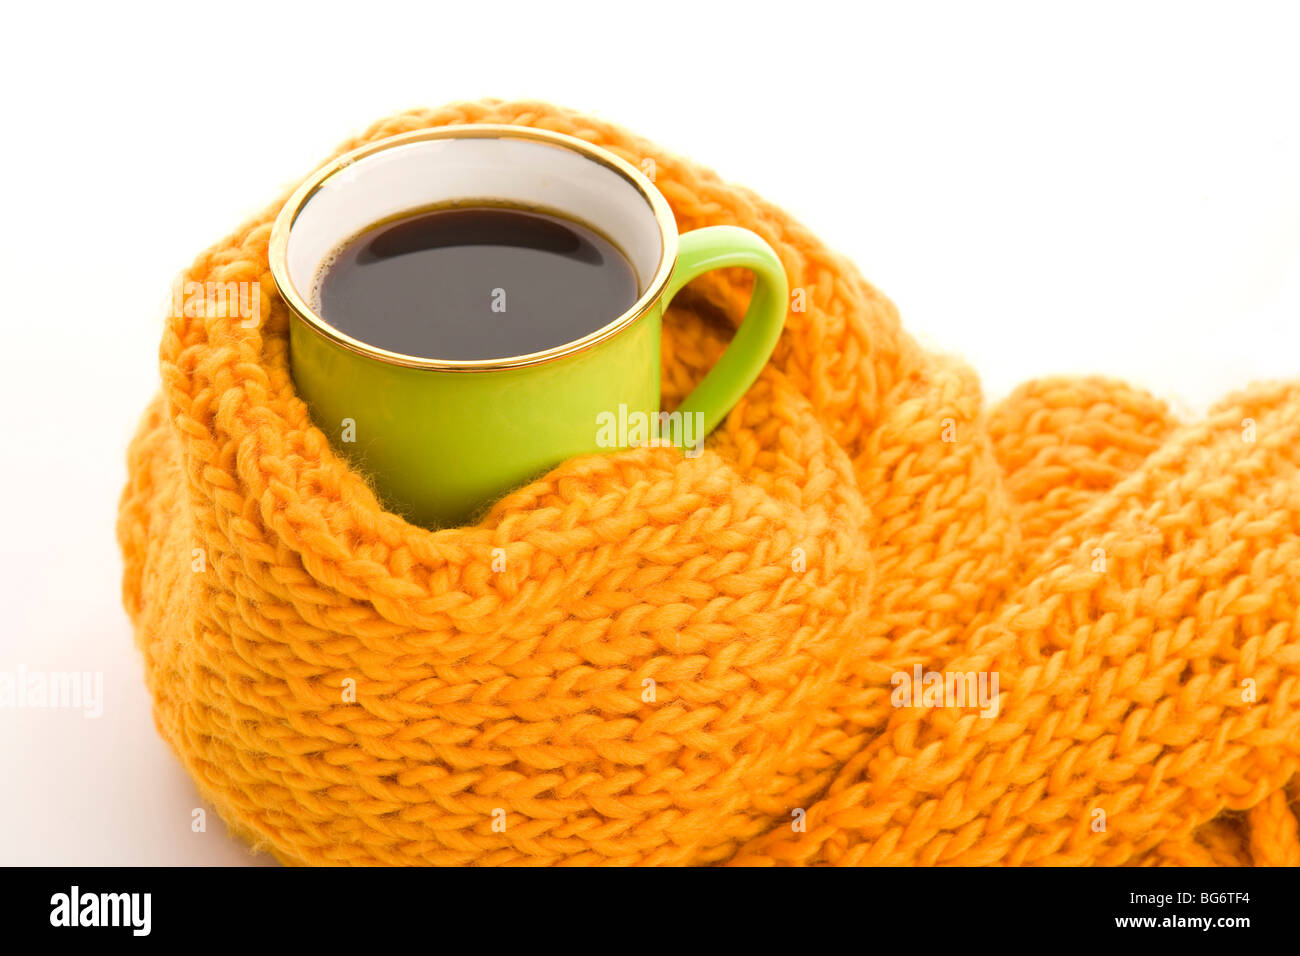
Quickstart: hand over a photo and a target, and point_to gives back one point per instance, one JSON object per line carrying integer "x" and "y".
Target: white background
{"x": 1041, "y": 188}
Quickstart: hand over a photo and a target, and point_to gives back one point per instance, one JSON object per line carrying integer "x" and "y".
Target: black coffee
{"x": 480, "y": 282}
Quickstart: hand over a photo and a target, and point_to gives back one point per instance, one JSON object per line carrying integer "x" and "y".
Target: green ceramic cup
{"x": 444, "y": 439}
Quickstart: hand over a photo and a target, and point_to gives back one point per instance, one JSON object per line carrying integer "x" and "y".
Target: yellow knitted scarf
{"x": 877, "y": 622}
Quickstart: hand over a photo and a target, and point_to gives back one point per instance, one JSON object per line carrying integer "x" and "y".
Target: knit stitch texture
{"x": 693, "y": 660}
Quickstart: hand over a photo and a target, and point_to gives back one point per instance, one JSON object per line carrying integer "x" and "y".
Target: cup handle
{"x": 717, "y": 247}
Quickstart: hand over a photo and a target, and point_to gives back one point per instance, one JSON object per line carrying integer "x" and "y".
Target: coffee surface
{"x": 476, "y": 282}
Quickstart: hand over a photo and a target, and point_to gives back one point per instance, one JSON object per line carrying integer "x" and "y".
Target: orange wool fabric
{"x": 693, "y": 660}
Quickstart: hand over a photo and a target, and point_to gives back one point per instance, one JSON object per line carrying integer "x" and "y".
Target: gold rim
{"x": 279, "y": 246}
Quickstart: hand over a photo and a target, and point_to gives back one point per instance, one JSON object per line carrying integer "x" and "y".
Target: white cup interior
{"x": 422, "y": 173}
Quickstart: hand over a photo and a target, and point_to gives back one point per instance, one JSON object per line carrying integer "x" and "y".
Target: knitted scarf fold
{"x": 644, "y": 658}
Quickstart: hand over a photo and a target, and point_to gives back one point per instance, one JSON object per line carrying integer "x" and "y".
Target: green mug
{"x": 442, "y": 439}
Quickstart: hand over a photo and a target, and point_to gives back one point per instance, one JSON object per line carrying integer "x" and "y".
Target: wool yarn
{"x": 643, "y": 658}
